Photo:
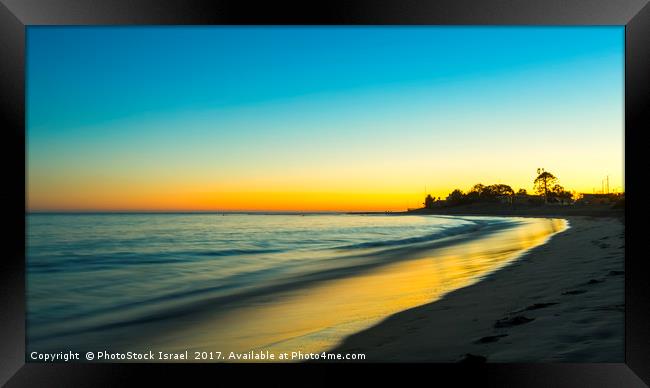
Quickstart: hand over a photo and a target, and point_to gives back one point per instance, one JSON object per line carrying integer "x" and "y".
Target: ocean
{"x": 227, "y": 281}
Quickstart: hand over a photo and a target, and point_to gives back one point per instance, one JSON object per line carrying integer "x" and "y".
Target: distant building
{"x": 599, "y": 199}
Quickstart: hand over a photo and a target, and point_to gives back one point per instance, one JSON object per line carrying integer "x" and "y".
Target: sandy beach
{"x": 561, "y": 302}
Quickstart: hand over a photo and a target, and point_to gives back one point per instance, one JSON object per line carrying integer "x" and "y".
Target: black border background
{"x": 16, "y": 14}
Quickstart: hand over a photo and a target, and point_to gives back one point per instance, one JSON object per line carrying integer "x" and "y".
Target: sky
{"x": 316, "y": 118}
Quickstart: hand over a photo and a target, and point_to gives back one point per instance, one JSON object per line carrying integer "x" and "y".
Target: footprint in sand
{"x": 490, "y": 339}
{"x": 599, "y": 244}
{"x": 538, "y": 306}
{"x": 514, "y": 321}
{"x": 574, "y": 292}
{"x": 615, "y": 307}
{"x": 535, "y": 306}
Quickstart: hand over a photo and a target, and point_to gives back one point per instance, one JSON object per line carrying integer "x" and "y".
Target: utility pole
{"x": 607, "y": 184}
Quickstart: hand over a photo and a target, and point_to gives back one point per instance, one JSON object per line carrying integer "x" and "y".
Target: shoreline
{"x": 317, "y": 310}
{"x": 499, "y": 210}
{"x": 562, "y": 301}
{"x": 324, "y": 313}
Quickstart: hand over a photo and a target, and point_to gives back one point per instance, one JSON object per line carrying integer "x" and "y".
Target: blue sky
{"x": 232, "y": 105}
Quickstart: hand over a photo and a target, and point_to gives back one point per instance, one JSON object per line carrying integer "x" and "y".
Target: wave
{"x": 77, "y": 262}
{"x": 441, "y": 233}
{"x": 232, "y": 252}
{"x": 73, "y": 262}
{"x": 248, "y": 284}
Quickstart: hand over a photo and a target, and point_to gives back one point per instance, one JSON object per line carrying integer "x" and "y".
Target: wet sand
{"x": 315, "y": 318}
{"x": 313, "y": 311}
{"x": 561, "y": 302}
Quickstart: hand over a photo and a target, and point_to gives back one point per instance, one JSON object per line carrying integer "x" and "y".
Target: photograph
{"x": 344, "y": 194}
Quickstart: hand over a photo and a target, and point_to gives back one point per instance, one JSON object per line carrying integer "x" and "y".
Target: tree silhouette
{"x": 477, "y": 188}
{"x": 557, "y": 191}
{"x": 428, "y": 201}
{"x": 475, "y": 193}
{"x": 456, "y": 197}
{"x": 544, "y": 182}
{"x": 480, "y": 192}
{"x": 501, "y": 189}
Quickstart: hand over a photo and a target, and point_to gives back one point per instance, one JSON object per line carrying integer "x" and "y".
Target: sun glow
{"x": 368, "y": 119}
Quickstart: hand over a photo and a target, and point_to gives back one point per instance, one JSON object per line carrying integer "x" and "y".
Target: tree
{"x": 428, "y": 201}
{"x": 522, "y": 192}
{"x": 477, "y": 188}
{"x": 557, "y": 191}
{"x": 475, "y": 193}
{"x": 544, "y": 182}
{"x": 456, "y": 197}
{"x": 489, "y": 193}
{"x": 501, "y": 189}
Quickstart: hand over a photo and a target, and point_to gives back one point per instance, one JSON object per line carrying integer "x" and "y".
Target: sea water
{"x": 242, "y": 281}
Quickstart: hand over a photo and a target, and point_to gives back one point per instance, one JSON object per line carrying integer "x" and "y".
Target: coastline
{"x": 346, "y": 298}
{"x": 315, "y": 318}
{"x": 501, "y": 210}
{"x": 346, "y": 289}
{"x": 562, "y": 301}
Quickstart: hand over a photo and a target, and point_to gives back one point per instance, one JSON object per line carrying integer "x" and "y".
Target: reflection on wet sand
{"x": 317, "y": 318}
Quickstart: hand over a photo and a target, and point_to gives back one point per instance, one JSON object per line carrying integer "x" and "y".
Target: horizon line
{"x": 204, "y": 211}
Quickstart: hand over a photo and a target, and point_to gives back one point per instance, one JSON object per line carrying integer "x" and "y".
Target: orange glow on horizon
{"x": 341, "y": 187}
{"x": 160, "y": 199}
{"x": 237, "y": 201}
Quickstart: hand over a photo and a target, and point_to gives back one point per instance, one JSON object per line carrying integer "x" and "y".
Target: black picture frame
{"x": 16, "y": 15}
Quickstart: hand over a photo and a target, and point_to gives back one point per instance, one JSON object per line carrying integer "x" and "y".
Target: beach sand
{"x": 561, "y": 302}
